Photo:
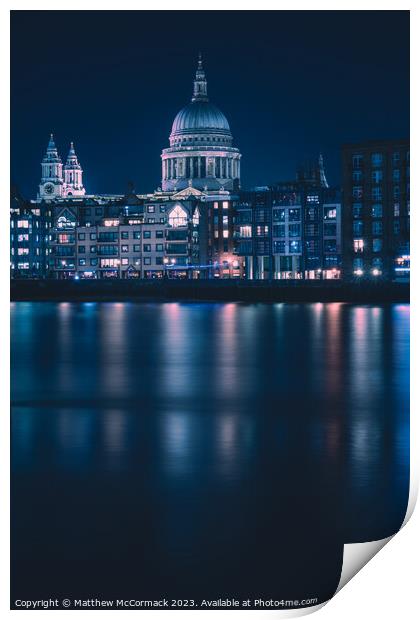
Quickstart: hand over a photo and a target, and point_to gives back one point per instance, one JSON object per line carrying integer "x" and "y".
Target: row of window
{"x": 377, "y": 176}
{"x": 377, "y": 159}
{"x": 376, "y": 193}
{"x": 376, "y": 227}
{"x": 93, "y": 262}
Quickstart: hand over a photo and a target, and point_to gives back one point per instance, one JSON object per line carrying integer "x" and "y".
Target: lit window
{"x": 225, "y": 234}
{"x": 225, "y": 205}
{"x": 196, "y": 217}
{"x": 124, "y": 261}
{"x": 358, "y": 245}
{"x": 23, "y": 224}
{"x": 178, "y": 217}
{"x": 245, "y": 231}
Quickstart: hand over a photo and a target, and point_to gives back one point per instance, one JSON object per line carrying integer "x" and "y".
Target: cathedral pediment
{"x": 187, "y": 192}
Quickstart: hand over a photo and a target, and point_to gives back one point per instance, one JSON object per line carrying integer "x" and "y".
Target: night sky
{"x": 291, "y": 84}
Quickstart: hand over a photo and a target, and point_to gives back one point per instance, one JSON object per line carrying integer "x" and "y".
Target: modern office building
{"x": 376, "y": 210}
{"x": 291, "y": 230}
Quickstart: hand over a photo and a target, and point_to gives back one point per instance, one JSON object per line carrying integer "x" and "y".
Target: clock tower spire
{"x": 51, "y": 184}
{"x": 73, "y": 184}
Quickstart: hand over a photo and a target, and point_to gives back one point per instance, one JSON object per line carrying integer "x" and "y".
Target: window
{"x": 357, "y": 228}
{"x": 178, "y": 217}
{"x": 162, "y": 208}
{"x": 279, "y": 230}
{"x": 357, "y": 264}
{"x": 150, "y": 220}
{"x": 330, "y": 230}
{"x": 377, "y": 210}
{"x": 294, "y": 230}
{"x": 330, "y": 214}
{"x": 396, "y": 158}
{"x": 124, "y": 261}
{"x": 124, "y": 234}
{"x": 396, "y": 227}
{"x": 136, "y": 248}
{"x": 150, "y": 209}
{"x": 92, "y": 236}
{"x": 81, "y": 236}
{"x": 294, "y": 247}
{"x": 245, "y": 231}
{"x": 262, "y": 231}
{"x": 357, "y": 191}
{"x": 377, "y": 176}
{"x": 159, "y": 247}
{"x": 98, "y": 211}
{"x": 357, "y": 161}
{"x": 358, "y": 245}
{"x": 216, "y": 234}
{"x": 136, "y": 234}
{"x": 147, "y": 247}
{"x": 159, "y": 234}
{"x": 93, "y": 249}
{"x": 357, "y": 175}
{"x": 278, "y": 215}
{"x": 225, "y": 234}
{"x": 376, "y": 159}
{"x": 396, "y": 209}
{"x": 225, "y": 205}
{"x": 147, "y": 234}
{"x": 225, "y": 220}
{"x": 147, "y": 261}
{"x": 396, "y": 175}
{"x": 279, "y": 247}
{"x": 294, "y": 215}
{"x": 357, "y": 210}
{"x": 377, "y": 263}
{"x": 23, "y": 224}
{"x": 82, "y": 249}
{"x": 396, "y": 191}
{"x": 377, "y": 228}
{"x": 377, "y": 245}
{"x": 124, "y": 249}
{"x": 377, "y": 193}
{"x": 82, "y": 262}
{"x": 93, "y": 262}
{"x": 330, "y": 245}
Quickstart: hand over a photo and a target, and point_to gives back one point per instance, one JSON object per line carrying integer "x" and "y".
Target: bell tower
{"x": 51, "y": 185}
{"x": 73, "y": 184}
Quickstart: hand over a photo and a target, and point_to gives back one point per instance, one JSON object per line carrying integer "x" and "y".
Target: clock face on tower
{"x": 49, "y": 189}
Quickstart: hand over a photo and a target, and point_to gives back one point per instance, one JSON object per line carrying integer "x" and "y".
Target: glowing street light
{"x": 358, "y": 272}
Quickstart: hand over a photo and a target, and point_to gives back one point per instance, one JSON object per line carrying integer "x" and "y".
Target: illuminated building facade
{"x": 29, "y": 237}
{"x": 201, "y": 152}
{"x": 376, "y": 210}
{"x": 290, "y": 231}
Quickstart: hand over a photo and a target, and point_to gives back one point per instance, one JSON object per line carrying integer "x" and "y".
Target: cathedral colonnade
{"x": 200, "y": 167}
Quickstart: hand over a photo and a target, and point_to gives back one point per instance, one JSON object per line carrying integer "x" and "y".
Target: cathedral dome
{"x": 200, "y": 116}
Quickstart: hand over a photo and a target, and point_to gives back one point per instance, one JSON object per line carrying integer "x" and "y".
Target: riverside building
{"x": 376, "y": 210}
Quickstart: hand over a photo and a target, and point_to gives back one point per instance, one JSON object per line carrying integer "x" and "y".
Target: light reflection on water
{"x": 173, "y": 425}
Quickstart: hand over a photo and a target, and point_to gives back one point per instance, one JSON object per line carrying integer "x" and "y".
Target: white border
{"x": 397, "y": 566}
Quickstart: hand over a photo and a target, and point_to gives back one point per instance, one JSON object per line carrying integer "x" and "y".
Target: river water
{"x": 203, "y": 450}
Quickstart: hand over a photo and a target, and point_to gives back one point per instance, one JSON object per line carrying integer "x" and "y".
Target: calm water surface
{"x": 203, "y": 450}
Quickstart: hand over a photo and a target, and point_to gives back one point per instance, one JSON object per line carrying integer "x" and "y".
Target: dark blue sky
{"x": 291, "y": 84}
